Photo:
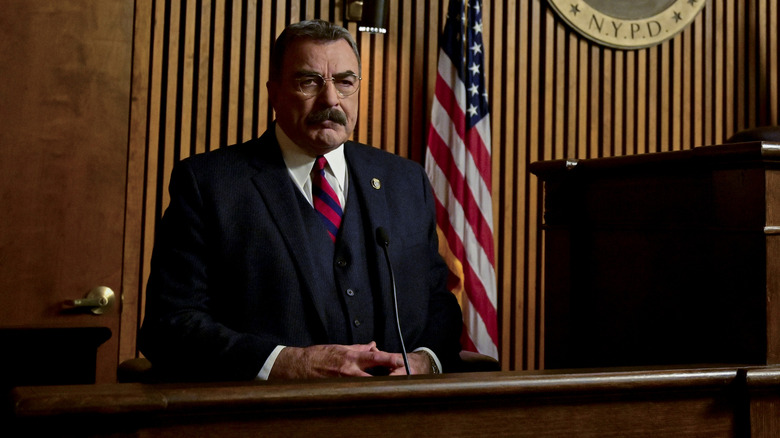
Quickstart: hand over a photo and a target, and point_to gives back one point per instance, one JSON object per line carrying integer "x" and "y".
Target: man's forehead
{"x": 306, "y": 50}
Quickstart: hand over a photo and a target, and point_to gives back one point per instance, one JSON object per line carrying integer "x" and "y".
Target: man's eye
{"x": 308, "y": 82}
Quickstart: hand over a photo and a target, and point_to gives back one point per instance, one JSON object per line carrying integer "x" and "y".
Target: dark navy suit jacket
{"x": 231, "y": 273}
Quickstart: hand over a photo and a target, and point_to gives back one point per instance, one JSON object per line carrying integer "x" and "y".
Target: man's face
{"x": 300, "y": 116}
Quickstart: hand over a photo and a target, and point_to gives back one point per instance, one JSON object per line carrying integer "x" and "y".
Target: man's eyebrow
{"x": 301, "y": 73}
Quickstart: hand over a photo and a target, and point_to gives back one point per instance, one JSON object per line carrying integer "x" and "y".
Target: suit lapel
{"x": 280, "y": 198}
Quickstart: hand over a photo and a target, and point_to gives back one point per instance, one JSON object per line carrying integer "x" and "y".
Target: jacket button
{"x": 350, "y": 292}
{"x": 340, "y": 262}
{"x": 357, "y": 323}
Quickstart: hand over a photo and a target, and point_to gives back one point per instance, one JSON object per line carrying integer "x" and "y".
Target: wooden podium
{"x": 665, "y": 258}
{"x": 717, "y": 402}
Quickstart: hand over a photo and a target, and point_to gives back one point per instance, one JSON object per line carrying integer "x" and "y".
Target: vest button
{"x": 350, "y": 292}
{"x": 357, "y": 323}
{"x": 341, "y": 263}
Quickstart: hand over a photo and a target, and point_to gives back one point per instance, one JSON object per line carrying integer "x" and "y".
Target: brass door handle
{"x": 98, "y": 300}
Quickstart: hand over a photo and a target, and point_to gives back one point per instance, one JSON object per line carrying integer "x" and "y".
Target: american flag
{"x": 457, "y": 162}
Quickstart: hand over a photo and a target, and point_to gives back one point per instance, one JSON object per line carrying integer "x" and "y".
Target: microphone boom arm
{"x": 383, "y": 240}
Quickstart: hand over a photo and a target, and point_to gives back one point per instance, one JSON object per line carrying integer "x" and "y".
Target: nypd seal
{"x": 628, "y": 24}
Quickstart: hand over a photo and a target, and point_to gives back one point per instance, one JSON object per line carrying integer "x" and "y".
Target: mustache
{"x": 326, "y": 114}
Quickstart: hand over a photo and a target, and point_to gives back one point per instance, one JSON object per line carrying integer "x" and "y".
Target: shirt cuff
{"x": 433, "y": 355}
{"x": 269, "y": 363}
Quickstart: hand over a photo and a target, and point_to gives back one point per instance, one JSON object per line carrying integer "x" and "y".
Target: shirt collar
{"x": 299, "y": 163}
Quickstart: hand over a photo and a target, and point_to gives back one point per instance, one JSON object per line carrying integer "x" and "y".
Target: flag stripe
{"x": 452, "y": 226}
{"x": 460, "y": 156}
{"x": 457, "y": 119}
{"x": 475, "y": 289}
{"x": 443, "y": 157}
{"x": 458, "y": 163}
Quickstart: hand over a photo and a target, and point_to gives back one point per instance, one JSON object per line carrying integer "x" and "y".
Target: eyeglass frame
{"x": 311, "y": 75}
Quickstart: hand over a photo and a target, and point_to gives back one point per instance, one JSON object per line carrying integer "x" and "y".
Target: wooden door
{"x": 64, "y": 107}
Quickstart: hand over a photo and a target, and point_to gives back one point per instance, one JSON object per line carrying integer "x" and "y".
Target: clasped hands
{"x": 344, "y": 361}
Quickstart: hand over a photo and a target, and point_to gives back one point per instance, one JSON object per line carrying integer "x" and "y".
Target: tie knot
{"x": 325, "y": 200}
{"x": 320, "y": 163}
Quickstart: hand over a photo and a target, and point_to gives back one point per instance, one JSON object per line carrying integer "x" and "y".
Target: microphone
{"x": 384, "y": 241}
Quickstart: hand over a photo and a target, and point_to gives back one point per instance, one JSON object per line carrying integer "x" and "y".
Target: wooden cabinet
{"x": 665, "y": 258}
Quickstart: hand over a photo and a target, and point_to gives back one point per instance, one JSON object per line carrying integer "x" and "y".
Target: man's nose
{"x": 329, "y": 94}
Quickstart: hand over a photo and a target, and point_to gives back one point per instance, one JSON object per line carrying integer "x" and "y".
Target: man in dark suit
{"x": 251, "y": 278}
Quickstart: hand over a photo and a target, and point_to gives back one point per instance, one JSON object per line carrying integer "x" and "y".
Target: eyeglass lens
{"x": 346, "y": 84}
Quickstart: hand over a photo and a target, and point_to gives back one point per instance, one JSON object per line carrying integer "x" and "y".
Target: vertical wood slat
{"x": 513, "y": 222}
{"x": 552, "y": 94}
{"x": 133, "y": 253}
{"x": 773, "y": 48}
{"x": 204, "y": 60}
{"x": 502, "y": 200}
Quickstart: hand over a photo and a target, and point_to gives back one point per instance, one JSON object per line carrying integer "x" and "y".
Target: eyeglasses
{"x": 346, "y": 84}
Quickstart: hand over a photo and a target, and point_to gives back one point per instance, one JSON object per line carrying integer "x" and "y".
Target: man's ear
{"x": 271, "y": 89}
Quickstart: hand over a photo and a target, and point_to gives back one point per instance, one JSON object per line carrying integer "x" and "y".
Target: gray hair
{"x": 313, "y": 30}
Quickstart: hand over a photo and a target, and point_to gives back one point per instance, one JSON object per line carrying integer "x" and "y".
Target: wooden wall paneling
{"x": 294, "y": 9}
{"x": 652, "y": 124}
{"x": 202, "y": 85}
{"x": 404, "y": 79}
{"x": 437, "y": 18}
{"x": 754, "y": 59}
{"x": 133, "y": 255}
{"x": 364, "y": 43}
{"x": 642, "y": 97}
{"x": 570, "y": 66}
{"x": 547, "y": 119}
{"x": 664, "y": 110}
{"x": 502, "y": 202}
{"x": 171, "y": 135}
{"x": 376, "y": 116}
{"x": 234, "y": 35}
{"x": 713, "y": 89}
{"x": 699, "y": 113}
{"x": 552, "y": 93}
{"x": 558, "y": 113}
{"x": 250, "y": 37}
{"x": 418, "y": 80}
{"x": 603, "y": 130}
{"x": 719, "y": 26}
{"x": 618, "y": 104}
{"x": 773, "y": 68}
{"x": 739, "y": 69}
{"x": 629, "y": 137}
{"x": 594, "y": 113}
{"x": 580, "y": 102}
{"x": 151, "y": 144}
{"x": 264, "y": 111}
{"x": 677, "y": 91}
{"x": 390, "y": 82}
{"x": 188, "y": 101}
{"x": 762, "y": 57}
{"x": 534, "y": 136}
{"x": 687, "y": 115}
{"x": 216, "y": 82}
{"x": 709, "y": 74}
{"x": 729, "y": 119}
{"x": 513, "y": 127}
{"x": 769, "y": 66}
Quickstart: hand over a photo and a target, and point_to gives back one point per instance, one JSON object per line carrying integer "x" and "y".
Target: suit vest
{"x": 347, "y": 274}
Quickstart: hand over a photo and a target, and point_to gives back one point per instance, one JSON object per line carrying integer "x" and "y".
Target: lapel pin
{"x": 375, "y": 183}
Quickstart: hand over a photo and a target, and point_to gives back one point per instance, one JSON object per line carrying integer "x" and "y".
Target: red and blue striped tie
{"x": 325, "y": 200}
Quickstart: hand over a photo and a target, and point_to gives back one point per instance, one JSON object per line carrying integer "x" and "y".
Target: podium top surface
{"x": 735, "y": 154}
